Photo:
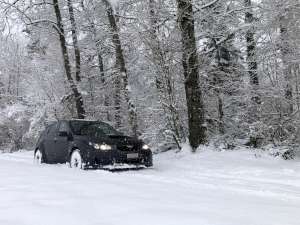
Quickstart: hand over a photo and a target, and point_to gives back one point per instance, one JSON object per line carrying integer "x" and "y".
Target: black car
{"x": 89, "y": 144}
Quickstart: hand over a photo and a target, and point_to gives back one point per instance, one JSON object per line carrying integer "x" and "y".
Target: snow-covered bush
{"x": 14, "y": 122}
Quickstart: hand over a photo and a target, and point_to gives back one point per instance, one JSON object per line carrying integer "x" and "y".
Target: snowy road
{"x": 209, "y": 188}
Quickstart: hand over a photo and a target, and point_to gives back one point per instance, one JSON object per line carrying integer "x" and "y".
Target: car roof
{"x": 70, "y": 120}
{"x": 85, "y": 120}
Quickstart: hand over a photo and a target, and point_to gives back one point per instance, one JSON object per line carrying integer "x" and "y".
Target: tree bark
{"x": 78, "y": 97}
{"x": 75, "y": 41}
{"x": 251, "y": 56}
{"x": 285, "y": 53}
{"x": 120, "y": 62}
{"x": 195, "y": 105}
{"x": 251, "y": 46}
{"x": 103, "y": 81}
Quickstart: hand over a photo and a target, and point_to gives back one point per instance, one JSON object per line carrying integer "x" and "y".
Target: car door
{"x": 49, "y": 143}
{"x": 62, "y": 140}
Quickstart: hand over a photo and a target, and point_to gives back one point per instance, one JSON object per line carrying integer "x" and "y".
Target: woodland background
{"x": 225, "y": 72}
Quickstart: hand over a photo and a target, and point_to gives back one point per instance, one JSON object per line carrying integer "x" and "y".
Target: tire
{"x": 149, "y": 160}
{"x": 149, "y": 164}
{"x": 76, "y": 160}
{"x": 38, "y": 157}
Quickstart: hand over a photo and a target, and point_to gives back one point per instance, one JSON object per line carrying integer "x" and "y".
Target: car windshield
{"x": 93, "y": 128}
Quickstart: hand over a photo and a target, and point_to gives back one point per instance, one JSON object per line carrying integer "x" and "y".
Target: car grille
{"x": 127, "y": 148}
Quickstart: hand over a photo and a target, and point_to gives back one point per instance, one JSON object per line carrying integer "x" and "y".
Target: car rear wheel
{"x": 76, "y": 160}
{"x": 38, "y": 157}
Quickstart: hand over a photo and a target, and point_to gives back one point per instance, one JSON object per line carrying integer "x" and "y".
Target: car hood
{"x": 118, "y": 140}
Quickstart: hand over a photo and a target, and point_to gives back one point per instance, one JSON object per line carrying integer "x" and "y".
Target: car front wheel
{"x": 76, "y": 160}
{"x": 38, "y": 157}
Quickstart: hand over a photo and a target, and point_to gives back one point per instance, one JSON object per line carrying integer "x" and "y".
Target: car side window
{"x": 52, "y": 130}
{"x": 63, "y": 127}
{"x": 48, "y": 129}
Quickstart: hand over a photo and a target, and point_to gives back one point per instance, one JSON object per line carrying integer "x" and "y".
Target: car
{"x": 89, "y": 144}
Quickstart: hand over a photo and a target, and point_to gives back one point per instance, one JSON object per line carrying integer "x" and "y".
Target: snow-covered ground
{"x": 207, "y": 188}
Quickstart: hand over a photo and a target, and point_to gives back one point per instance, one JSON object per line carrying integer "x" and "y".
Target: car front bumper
{"x": 98, "y": 158}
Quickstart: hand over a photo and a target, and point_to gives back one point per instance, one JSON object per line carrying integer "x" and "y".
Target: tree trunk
{"x": 120, "y": 62}
{"x": 251, "y": 52}
{"x": 251, "y": 46}
{"x": 163, "y": 79}
{"x": 103, "y": 81}
{"x": 221, "y": 114}
{"x": 63, "y": 44}
{"x": 285, "y": 53}
{"x": 117, "y": 100}
{"x": 75, "y": 41}
{"x": 218, "y": 84}
{"x": 195, "y": 105}
{"x": 100, "y": 62}
{"x": 101, "y": 70}
{"x": 252, "y": 67}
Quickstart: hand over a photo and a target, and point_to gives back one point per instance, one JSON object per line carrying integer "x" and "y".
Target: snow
{"x": 206, "y": 188}
{"x": 114, "y": 3}
{"x": 11, "y": 111}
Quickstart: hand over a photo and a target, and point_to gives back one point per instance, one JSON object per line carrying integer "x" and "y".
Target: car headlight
{"x": 145, "y": 147}
{"x": 103, "y": 147}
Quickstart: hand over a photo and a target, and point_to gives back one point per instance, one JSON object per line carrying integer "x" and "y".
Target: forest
{"x": 149, "y": 112}
{"x": 220, "y": 72}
